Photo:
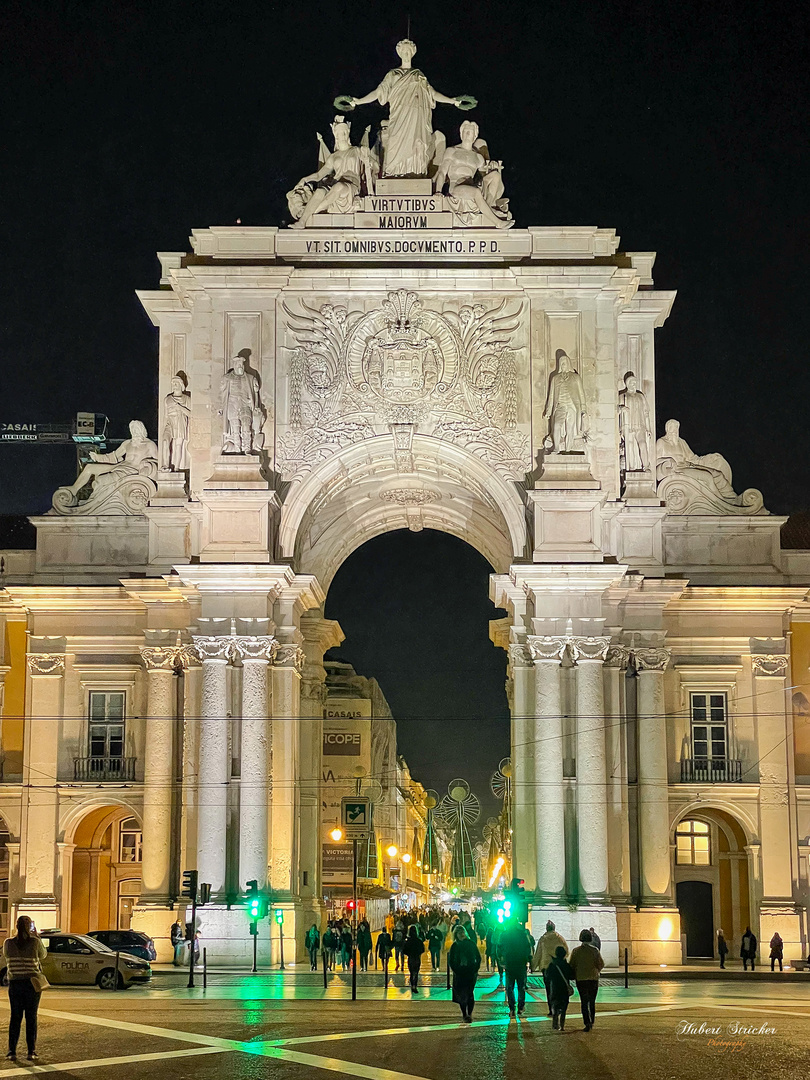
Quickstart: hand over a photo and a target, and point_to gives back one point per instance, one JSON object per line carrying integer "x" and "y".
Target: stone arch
{"x": 96, "y": 864}
{"x": 374, "y": 487}
{"x": 78, "y": 812}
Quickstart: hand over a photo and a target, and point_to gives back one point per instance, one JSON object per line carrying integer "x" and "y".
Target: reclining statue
{"x": 121, "y": 482}
{"x": 690, "y": 483}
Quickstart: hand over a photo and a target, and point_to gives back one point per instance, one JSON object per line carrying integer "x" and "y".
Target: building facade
{"x": 402, "y": 357}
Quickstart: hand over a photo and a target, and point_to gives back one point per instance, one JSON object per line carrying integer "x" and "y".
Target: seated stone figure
{"x": 690, "y": 483}
{"x": 122, "y": 481}
{"x": 335, "y": 186}
{"x": 475, "y": 184}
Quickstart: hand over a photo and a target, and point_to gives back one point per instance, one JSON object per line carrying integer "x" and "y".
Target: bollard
{"x": 447, "y": 961}
{"x": 323, "y": 954}
{"x": 205, "y": 969}
{"x": 354, "y": 974}
{"x": 626, "y": 984}
{"x": 117, "y": 969}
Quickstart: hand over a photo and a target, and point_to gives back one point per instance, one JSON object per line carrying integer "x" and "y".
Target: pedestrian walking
{"x": 364, "y": 943}
{"x": 722, "y": 948}
{"x": 515, "y": 953}
{"x": 559, "y": 974}
{"x": 596, "y": 941}
{"x": 496, "y": 953}
{"x": 545, "y": 952}
{"x": 748, "y": 948}
{"x": 384, "y": 948}
{"x": 313, "y": 944}
{"x": 436, "y": 943}
{"x": 195, "y": 945}
{"x": 777, "y": 950}
{"x": 488, "y": 948}
{"x": 413, "y": 947}
{"x": 346, "y": 946}
{"x": 24, "y": 954}
{"x": 330, "y": 945}
{"x": 464, "y": 960}
{"x": 398, "y": 938}
{"x": 178, "y": 937}
{"x": 586, "y": 962}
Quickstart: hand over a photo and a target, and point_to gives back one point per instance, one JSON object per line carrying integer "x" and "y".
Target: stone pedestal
{"x": 651, "y": 936}
{"x": 567, "y": 501}
{"x": 569, "y": 921}
{"x": 237, "y": 512}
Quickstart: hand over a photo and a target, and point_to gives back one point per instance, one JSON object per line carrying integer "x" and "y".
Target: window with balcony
{"x": 710, "y": 761}
{"x": 105, "y": 759}
{"x": 692, "y": 844}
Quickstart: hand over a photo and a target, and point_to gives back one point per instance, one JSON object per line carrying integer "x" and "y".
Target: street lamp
{"x": 391, "y": 851}
{"x": 406, "y": 858}
{"x": 336, "y": 834}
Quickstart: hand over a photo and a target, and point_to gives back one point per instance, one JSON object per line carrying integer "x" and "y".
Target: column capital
{"x": 519, "y": 655}
{"x": 46, "y": 664}
{"x": 313, "y": 689}
{"x": 290, "y": 656}
{"x": 213, "y": 648}
{"x": 546, "y": 648}
{"x": 618, "y": 656}
{"x": 259, "y": 648}
{"x": 769, "y": 664}
{"x": 652, "y": 659}
{"x": 159, "y": 657}
{"x": 589, "y": 648}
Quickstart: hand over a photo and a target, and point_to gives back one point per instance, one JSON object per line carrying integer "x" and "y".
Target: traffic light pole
{"x": 192, "y": 942}
{"x": 254, "y": 929}
{"x": 354, "y": 920}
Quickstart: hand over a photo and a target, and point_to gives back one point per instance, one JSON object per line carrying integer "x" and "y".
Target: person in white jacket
{"x": 545, "y": 952}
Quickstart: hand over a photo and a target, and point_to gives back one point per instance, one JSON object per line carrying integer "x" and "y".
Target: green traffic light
{"x": 279, "y": 915}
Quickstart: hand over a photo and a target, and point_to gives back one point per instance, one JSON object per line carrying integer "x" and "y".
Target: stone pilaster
{"x": 213, "y": 774}
{"x": 546, "y": 737}
{"x": 653, "y": 778}
{"x": 524, "y": 846}
{"x": 158, "y": 776}
{"x": 256, "y": 654}
{"x": 592, "y": 835}
{"x": 286, "y": 769}
{"x": 618, "y": 807}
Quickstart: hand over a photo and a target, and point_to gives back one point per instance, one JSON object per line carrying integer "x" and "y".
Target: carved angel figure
{"x": 336, "y": 184}
{"x": 473, "y": 180}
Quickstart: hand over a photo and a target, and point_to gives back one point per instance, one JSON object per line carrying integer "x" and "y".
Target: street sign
{"x": 355, "y": 817}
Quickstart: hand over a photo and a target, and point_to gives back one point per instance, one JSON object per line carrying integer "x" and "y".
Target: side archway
{"x": 103, "y": 877}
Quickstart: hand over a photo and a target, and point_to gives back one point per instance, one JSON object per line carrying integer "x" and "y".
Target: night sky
{"x": 681, "y": 125}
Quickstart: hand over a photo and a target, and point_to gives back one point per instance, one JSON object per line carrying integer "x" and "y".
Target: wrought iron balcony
{"x": 104, "y": 770}
{"x": 710, "y": 770}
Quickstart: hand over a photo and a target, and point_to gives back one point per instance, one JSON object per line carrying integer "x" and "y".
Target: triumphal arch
{"x": 406, "y": 354}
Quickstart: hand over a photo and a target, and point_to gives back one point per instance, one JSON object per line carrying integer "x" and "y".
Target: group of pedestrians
{"x": 338, "y": 944}
{"x": 748, "y": 949}
{"x": 561, "y": 971}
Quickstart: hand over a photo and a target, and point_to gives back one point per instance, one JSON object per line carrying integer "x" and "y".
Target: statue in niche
{"x": 122, "y": 481}
{"x": 565, "y": 408}
{"x": 471, "y": 178}
{"x": 634, "y": 424}
{"x": 177, "y": 412}
{"x": 241, "y": 410}
{"x": 410, "y": 143}
{"x": 693, "y": 483}
{"x": 336, "y": 184}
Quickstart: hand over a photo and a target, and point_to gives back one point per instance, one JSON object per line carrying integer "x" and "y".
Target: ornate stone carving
{"x": 160, "y": 657}
{"x": 565, "y": 409}
{"x": 471, "y": 178}
{"x": 337, "y": 182}
{"x": 290, "y": 656}
{"x": 409, "y": 496}
{"x": 121, "y": 482}
{"x": 617, "y": 656}
{"x": 546, "y": 648}
{"x": 213, "y": 648}
{"x": 177, "y": 414}
{"x": 652, "y": 659}
{"x": 241, "y": 410}
{"x": 634, "y": 425}
{"x": 699, "y": 484}
{"x": 769, "y": 664}
{"x": 313, "y": 688}
{"x": 46, "y": 663}
{"x": 589, "y": 648}
{"x": 255, "y": 648}
{"x": 519, "y": 656}
{"x": 410, "y": 143}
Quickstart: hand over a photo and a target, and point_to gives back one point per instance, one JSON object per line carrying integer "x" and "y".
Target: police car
{"x": 78, "y": 960}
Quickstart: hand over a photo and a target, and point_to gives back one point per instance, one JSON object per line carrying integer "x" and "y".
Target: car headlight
{"x": 137, "y": 964}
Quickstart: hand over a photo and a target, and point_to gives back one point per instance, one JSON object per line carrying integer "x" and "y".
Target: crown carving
{"x": 402, "y": 310}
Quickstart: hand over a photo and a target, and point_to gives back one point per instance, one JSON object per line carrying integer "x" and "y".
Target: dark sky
{"x": 681, "y": 125}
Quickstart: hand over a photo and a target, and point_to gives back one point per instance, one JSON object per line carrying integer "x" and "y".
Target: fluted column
{"x": 592, "y": 834}
{"x": 214, "y": 766}
{"x": 256, "y": 654}
{"x": 524, "y": 844}
{"x": 287, "y": 667}
{"x": 546, "y": 741}
{"x": 653, "y": 778}
{"x": 158, "y": 773}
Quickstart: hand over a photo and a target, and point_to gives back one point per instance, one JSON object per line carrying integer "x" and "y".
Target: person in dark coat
{"x": 364, "y": 943}
{"x": 722, "y": 948}
{"x": 777, "y": 950}
{"x": 559, "y": 974}
{"x": 515, "y": 954}
{"x": 346, "y": 946}
{"x": 436, "y": 942}
{"x": 413, "y": 948}
{"x": 748, "y": 948}
{"x": 464, "y": 960}
{"x": 398, "y": 937}
{"x": 384, "y": 947}
{"x": 489, "y": 948}
{"x": 313, "y": 944}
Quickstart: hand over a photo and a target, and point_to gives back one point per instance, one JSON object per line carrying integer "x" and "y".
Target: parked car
{"x": 129, "y": 941}
{"x": 80, "y": 960}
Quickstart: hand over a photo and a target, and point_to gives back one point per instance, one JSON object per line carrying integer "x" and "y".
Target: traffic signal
{"x": 279, "y": 916}
{"x": 205, "y": 893}
{"x": 254, "y": 900}
{"x": 501, "y": 914}
{"x": 189, "y": 885}
{"x": 507, "y": 909}
{"x": 350, "y": 905}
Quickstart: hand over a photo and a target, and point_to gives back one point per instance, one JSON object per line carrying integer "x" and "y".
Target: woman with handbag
{"x": 24, "y": 954}
{"x": 559, "y": 975}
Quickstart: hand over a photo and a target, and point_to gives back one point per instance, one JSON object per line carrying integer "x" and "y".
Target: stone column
{"x": 256, "y": 654}
{"x": 286, "y": 709}
{"x": 546, "y": 737}
{"x": 46, "y": 672}
{"x": 158, "y": 773}
{"x": 524, "y": 843}
{"x": 653, "y": 778}
{"x": 592, "y": 834}
{"x": 213, "y": 773}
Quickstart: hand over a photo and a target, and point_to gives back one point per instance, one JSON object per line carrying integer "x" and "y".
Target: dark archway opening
{"x": 415, "y": 610}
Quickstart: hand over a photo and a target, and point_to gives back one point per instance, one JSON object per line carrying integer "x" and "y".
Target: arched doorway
{"x": 105, "y": 877}
{"x": 712, "y": 880}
